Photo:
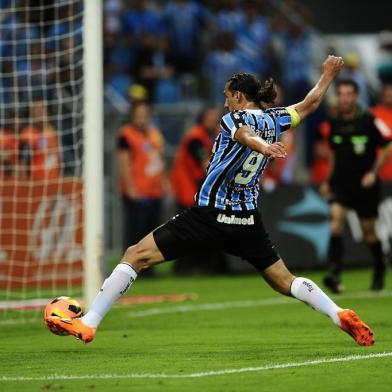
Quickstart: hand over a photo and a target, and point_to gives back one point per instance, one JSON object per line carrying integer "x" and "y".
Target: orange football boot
{"x": 354, "y": 326}
{"x": 73, "y": 327}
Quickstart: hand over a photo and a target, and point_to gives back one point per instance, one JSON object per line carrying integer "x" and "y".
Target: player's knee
{"x": 137, "y": 256}
{"x": 369, "y": 233}
{"x": 370, "y": 237}
{"x": 130, "y": 257}
{"x": 129, "y": 253}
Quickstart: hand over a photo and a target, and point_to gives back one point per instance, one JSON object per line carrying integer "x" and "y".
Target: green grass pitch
{"x": 249, "y": 326}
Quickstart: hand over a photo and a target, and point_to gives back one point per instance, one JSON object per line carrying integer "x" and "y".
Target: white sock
{"x": 112, "y": 289}
{"x": 307, "y": 291}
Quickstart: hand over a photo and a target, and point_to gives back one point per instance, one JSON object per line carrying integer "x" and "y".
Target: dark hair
{"x": 252, "y": 88}
{"x": 348, "y": 82}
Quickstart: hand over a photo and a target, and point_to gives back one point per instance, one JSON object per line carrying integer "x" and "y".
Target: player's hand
{"x": 325, "y": 190}
{"x": 368, "y": 180}
{"x": 275, "y": 150}
{"x": 332, "y": 66}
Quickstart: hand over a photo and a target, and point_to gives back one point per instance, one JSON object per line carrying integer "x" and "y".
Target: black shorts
{"x": 364, "y": 201}
{"x": 203, "y": 229}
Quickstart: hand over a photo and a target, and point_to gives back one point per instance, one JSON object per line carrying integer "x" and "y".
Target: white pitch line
{"x": 58, "y": 377}
{"x": 244, "y": 304}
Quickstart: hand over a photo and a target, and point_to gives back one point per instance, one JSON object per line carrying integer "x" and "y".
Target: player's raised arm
{"x": 247, "y": 137}
{"x": 331, "y": 68}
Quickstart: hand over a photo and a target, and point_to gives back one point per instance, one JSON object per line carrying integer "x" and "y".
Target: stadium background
{"x": 362, "y": 40}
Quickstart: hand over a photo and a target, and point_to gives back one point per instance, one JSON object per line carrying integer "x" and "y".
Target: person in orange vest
{"x": 187, "y": 174}
{"x": 141, "y": 172}
{"x": 9, "y": 146}
{"x": 383, "y": 111}
{"x": 192, "y": 158}
{"x": 39, "y": 156}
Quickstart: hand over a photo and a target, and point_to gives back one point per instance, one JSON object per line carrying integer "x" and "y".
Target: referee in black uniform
{"x": 355, "y": 137}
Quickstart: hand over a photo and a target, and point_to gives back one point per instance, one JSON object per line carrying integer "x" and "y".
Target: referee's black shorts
{"x": 204, "y": 228}
{"x": 364, "y": 201}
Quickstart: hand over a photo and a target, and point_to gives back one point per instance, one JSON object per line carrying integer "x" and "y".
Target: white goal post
{"x": 93, "y": 148}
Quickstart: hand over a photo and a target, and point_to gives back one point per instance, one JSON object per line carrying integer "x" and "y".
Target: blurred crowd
{"x": 174, "y": 47}
{"x": 41, "y": 61}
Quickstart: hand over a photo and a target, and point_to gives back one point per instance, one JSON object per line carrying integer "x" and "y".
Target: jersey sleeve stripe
{"x": 225, "y": 127}
{"x": 231, "y": 130}
{"x": 228, "y": 121}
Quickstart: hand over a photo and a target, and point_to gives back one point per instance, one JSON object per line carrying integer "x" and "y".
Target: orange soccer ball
{"x": 62, "y": 307}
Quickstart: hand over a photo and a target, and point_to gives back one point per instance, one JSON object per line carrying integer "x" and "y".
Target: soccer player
{"x": 226, "y": 215}
{"x": 355, "y": 137}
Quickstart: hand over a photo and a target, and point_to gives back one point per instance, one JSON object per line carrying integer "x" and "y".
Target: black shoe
{"x": 333, "y": 283}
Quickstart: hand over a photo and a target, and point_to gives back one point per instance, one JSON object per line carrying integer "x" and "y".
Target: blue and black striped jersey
{"x": 232, "y": 178}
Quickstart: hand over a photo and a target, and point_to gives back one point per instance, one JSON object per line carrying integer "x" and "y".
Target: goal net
{"x": 42, "y": 146}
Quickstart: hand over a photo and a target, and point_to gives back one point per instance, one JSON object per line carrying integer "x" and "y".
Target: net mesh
{"x": 41, "y": 118}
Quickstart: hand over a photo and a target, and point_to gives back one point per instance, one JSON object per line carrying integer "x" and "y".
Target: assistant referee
{"x": 355, "y": 137}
